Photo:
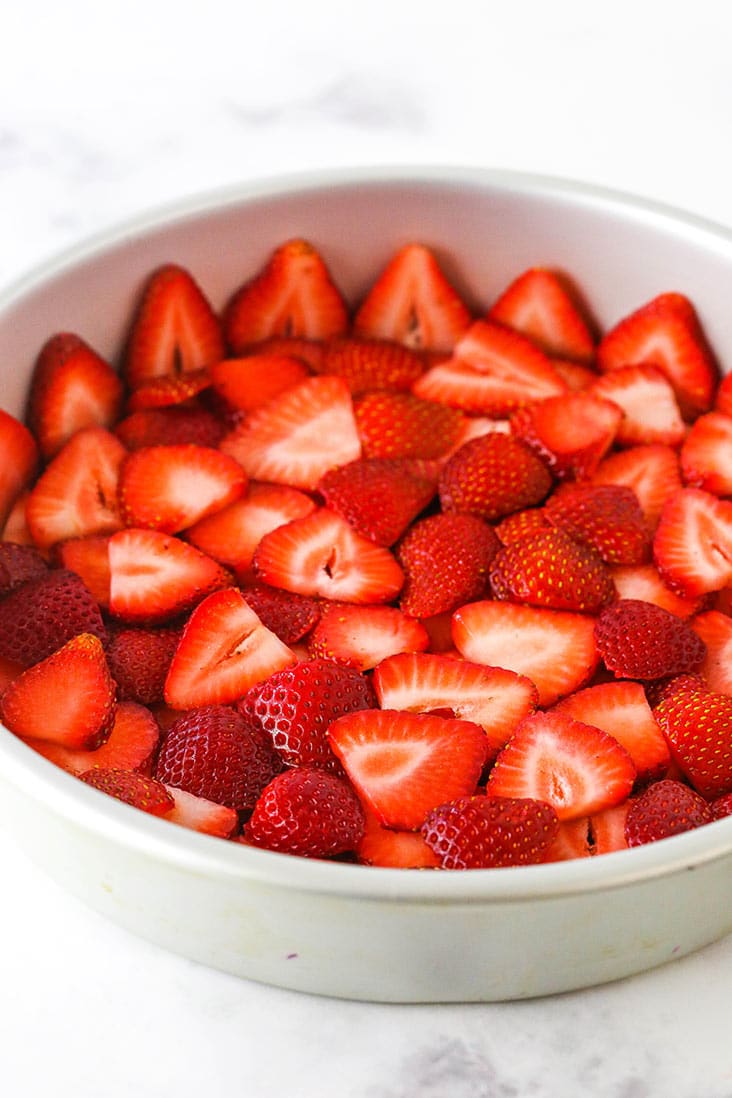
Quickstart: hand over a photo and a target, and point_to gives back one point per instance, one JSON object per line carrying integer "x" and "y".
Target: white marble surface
{"x": 107, "y": 109}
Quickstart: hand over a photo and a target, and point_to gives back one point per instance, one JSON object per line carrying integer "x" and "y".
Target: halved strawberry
{"x": 446, "y": 558}
{"x": 715, "y": 631}
{"x": 199, "y": 814}
{"x": 43, "y": 613}
{"x": 369, "y": 365}
{"x": 723, "y": 399}
{"x": 170, "y": 427}
{"x": 16, "y": 526}
{"x": 522, "y": 524}
{"x": 20, "y": 460}
{"x": 68, "y": 698}
{"x": 292, "y": 295}
{"x": 132, "y": 788}
{"x": 248, "y": 383}
{"x": 575, "y": 375}
{"x": 648, "y": 402}
{"x": 405, "y": 764}
{"x": 639, "y": 640}
{"x": 664, "y": 809}
{"x": 379, "y": 497}
{"x": 139, "y": 660}
{"x": 492, "y": 697}
{"x": 362, "y": 636}
{"x": 651, "y": 471}
{"x": 174, "y": 330}
{"x": 224, "y": 651}
{"x": 413, "y": 303}
{"x": 169, "y": 390}
{"x": 289, "y": 616}
{"x": 400, "y": 425}
{"x": 321, "y": 554}
{"x": 554, "y": 648}
{"x": 71, "y": 388}
{"x": 572, "y": 840}
{"x": 706, "y": 455}
{"x": 308, "y": 812}
{"x": 692, "y": 545}
{"x": 492, "y": 476}
{"x": 298, "y": 436}
{"x": 607, "y": 828}
{"x": 645, "y": 582}
{"x": 540, "y": 304}
{"x": 18, "y": 564}
{"x": 383, "y": 846}
{"x": 571, "y": 433}
{"x": 308, "y": 351}
{"x": 551, "y": 569}
{"x": 89, "y": 558}
{"x": 576, "y": 768}
{"x": 131, "y": 744}
{"x": 608, "y": 517}
{"x": 482, "y": 832}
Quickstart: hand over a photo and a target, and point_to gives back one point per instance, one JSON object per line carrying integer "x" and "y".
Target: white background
{"x": 108, "y": 109}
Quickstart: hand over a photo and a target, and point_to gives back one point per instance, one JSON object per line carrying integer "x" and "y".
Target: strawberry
{"x": 666, "y": 808}
{"x": 399, "y": 425}
{"x": 707, "y": 454}
{"x": 607, "y": 517}
{"x": 131, "y": 744}
{"x": 308, "y": 351}
{"x": 645, "y": 582}
{"x": 638, "y": 640}
{"x": 67, "y": 698}
{"x": 248, "y": 383}
{"x": 224, "y": 651}
{"x": 648, "y": 403}
{"x": 412, "y": 302}
{"x": 362, "y": 636}
{"x": 385, "y": 847}
{"x": 42, "y": 614}
{"x": 405, "y": 764}
{"x": 554, "y": 649}
{"x": 368, "y": 365}
{"x": 621, "y": 710}
{"x": 198, "y": 814}
{"x": 493, "y": 476}
{"x": 174, "y": 330}
{"x": 576, "y": 377}
{"x": 16, "y": 527}
{"x": 169, "y": 390}
{"x": 551, "y": 569}
{"x": 213, "y": 752}
{"x": 721, "y": 807}
{"x": 493, "y": 372}
{"x": 289, "y": 616}
{"x": 170, "y": 488}
{"x": 76, "y": 496}
{"x": 522, "y": 524}
{"x": 723, "y": 399}
{"x": 89, "y": 558}
{"x": 489, "y": 696}
{"x": 660, "y": 690}
{"x": 307, "y": 812}
{"x": 484, "y": 832}
{"x": 446, "y": 558}
{"x": 18, "y": 564}
{"x": 665, "y": 333}
{"x": 20, "y": 460}
{"x": 541, "y": 305}
{"x": 572, "y": 840}
{"x": 296, "y": 706}
{"x": 651, "y": 471}
{"x": 692, "y": 545}
{"x": 139, "y": 660}
{"x": 379, "y": 497}
{"x": 297, "y": 437}
{"x": 71, "y": 388}
{"x": 153, "y": 576}
{"x": 132, "y": 788}
{"x": 292, "y": 295}
{"x": 321, "y": 554}
{"x": 715, "y": 631}
{"x": 607, "y": 828}
{"x": 576, "y": 768}
{"x": 170, "y": 427}
{"x": 571, "y": 433}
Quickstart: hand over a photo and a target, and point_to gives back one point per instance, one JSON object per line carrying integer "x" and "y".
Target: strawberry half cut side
{"x": 692, "y": 545}
{"x": 540, "y": 304}
{"x": 131, "y": 744}
{"x": 20, "y": 460}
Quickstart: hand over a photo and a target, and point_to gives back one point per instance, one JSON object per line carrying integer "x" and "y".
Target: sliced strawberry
{"x": 293, "y": 295}
{"x": 607, "y": 828}
{"x": 391, "y": 849}
{"x": 540, "y": 304}
{"x": 571, "y": 841}
{"x": 692, "y": 545}
{"x": 645, "y": 582}
{"x": 706, "y": 455}
{"x": 639, "y": 640}
{"x": 153, "y": 577}
{"x": 131, "y": 744}
{"x": 575, "y": 376}
{"x": 174, "y": 330}
{"x": 554, "y": 648}
{"x": 648, "y": 402}
{"x": 297, "y": 437}
{"x": 412, "y": 302}
{"x": 368, "y": 365}
{"x": 289, "y": 616}
{"x": 522, "y": 524}
{"x": 321, "y": 554}
{"x": 607, "y": 517}
{"x": 437, "y": 578}
{"x": 76, "y": 496}
{"x": 198, "y": 814}
{"x": 399, "y": 425}
{"x": 666, "y": 808}
{"x": 551, "y": 569}
{"x": 68, "y": 698}
{"x": 362, "y": 636}
{"x": 571, "y": 434}
{"x": 492, "y": 476}
{"x": 71, "y": 388}
{"x": 224, "y": 651}
{"x": 489, "y": 696}
{"x": 478, "y": 426}
{"x": 248, "y": 383}
{"x": 715, "y": 631}
{"x": 309, "y": 351}
{"x": 307, "y": 812}
{"x": 43, "y": 613}
{"x": 665, "y": 333}
{"x": 9, "y": 671}
{"x": 170, "y": 427}
{"x": 379, "y": 497}
{"x": 20, "y": 460}
{"x": 169, "y": 390}
{"x": 170, "y": 488}
{"x": 721, "y": 807}
{"x": 576, "y": 768}
{"x": 651, "y": 471}
{"x": 18, "y": 564}
{"x": 16, "y": 526}
{"x": 482, "y": 832}
{"x": 139, "y": 660}
{"x": 405, "y": 764}
{"x": 132, "y": 788}
{"x": 723, "y": 400}
{"x": 89, "y": 558}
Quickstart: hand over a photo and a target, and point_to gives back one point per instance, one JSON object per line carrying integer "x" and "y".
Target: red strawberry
{"x": 224, "y": 651}
{"x": 446, "y": 559}
{"x": 287, "y": 615}
{"x": 139, "y": 660}
{"x": 89, "y": 558}
{"x": 71, "y": 388}
{"x": 493, "y": 371}
{"x": 575, "y": 767}
{"x": 658, "y": 691}
{"x": 540, "y": 305}
{"x": 723, "y": 400}
{"x": 18, "y": 564}
{"x": 399, "y": 425}
{"x": 362, "y": 636}
{"x": 607, "y": 828}
{"x": 571, "y": 433}
{"x": 293, "y": 295}
{"x": 198, "y": 814}
{"x": 645, "y": 582}
{"x": 385, "y": 847}
{"x": 309, "y": 351}
{"x": 551, "y": 569}
{"x": 213, "y": 752}
{"x": 692, "y": 545}
{"x": 608, "y": 517}
{"x": 131, "y": 744}
{"x": 367, "y": 365}
{"x": 169, "y": 390}
{"x": 665, "y": 333}
{"x": 492, "y": 476}
{"x": 297, "y": 437}
{"x": 379, "y": 497}
{"x": 405, "y": 764}
{"x": 664, "y": 809}
{"x": 153, "y": 577}
{"x": 248, "y": 383}
{"x": 20, "y": 459}
{"x": 721, "y": 807}
{"x": 42, "y": 614}
{"x": 132, "y": 788}
{"x": 170, "y": 427}
{"x": 307, "y": 812}
{"x": 174, "y": 330}
{"x": 522, "y": 524}
{"x": 413, "y": 303}
{"x": 572, "y": 840}
{"x": 16, "y": 527}
{"x": 707, "y": 454}
{"x": 489, "y": 696}
{"x": 715, "y": 631}
{"x": 170, "y": 488}
{"x": 576, "y": 377}
{"x": 648, "y": 402}
{"x": 555, "y": 649}
{"x": 698, "y": 727}
{"x": 638, "y": 640}
{"x": 321, "y": 554}
{"x": 484, "y": 832}
{"x": 651, "y": 471}
{"x": 68, "y": 698}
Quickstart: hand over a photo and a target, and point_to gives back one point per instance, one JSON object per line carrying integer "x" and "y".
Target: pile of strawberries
{"x": 400, "y": 586}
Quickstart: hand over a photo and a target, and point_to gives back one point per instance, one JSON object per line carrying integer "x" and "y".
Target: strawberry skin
{"x": 639, "y": 640}
{"x": 550, "y": 569}
{"x": 17, "y": 469}
{"x": 139, "y": 660}
{"x": 715, "y": 631}
{"x": 652, "y": 472}
{"x": 307, "y": 812}
{"x": 698, "y": 728}
{"x": 379, "y": 497}
{"x": 42, "y": 614}
{"x": 400, "y": 425}
{"x": 493, "y": 476}
{"x": 132, "y": 788}
{"x": 608, "y": 517}
{"x": 289, "y": 616}
{"x": 248, "y": 383}
{"x": 18, "y": 564}
{"x": 362, "y": 636}
{"x": 89, "y": 558}
{"x": 446, "y": 558}
{"x": 666, "y": 808}
{"x": 571, "y": 433}
{"x": 170, "y": 427}
{"x": 486, "y": 832}
{"x": 371, "y": 365}
{"x": 169, "y": 390}
{"x": 706, "y": 454}
{"x": 692, "y": 545}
